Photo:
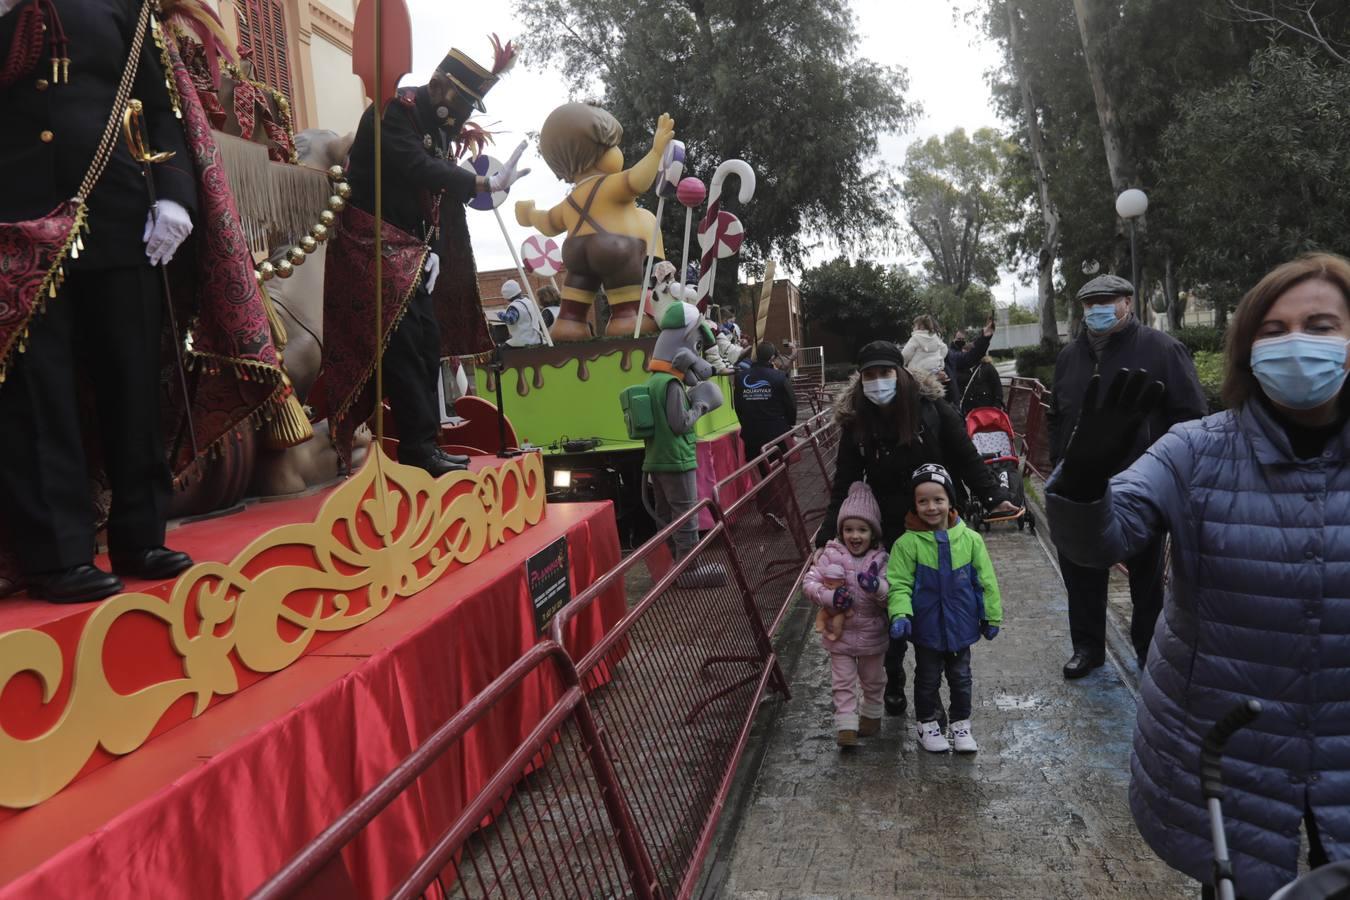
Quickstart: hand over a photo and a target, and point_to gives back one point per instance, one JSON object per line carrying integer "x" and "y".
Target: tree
{"x": 955, "y": 206}
{"x": 860, "y": 301}
{"x": 777, "y": 83}
{"x": 953, "y": 311}
{"x": 1040, "y": 167}
{"x": 1261, "y": 168}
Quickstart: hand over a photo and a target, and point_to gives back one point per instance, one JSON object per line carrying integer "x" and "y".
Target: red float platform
{"x": 211, "y": 805}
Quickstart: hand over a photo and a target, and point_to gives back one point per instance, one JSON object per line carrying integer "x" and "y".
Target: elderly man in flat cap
{"x": 1112, "y": 339}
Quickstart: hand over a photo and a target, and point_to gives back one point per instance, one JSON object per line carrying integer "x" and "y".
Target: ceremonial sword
{"x": 138, "y": 144}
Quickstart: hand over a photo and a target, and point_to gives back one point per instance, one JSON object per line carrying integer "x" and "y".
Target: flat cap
{"x": 1106, "y": 286}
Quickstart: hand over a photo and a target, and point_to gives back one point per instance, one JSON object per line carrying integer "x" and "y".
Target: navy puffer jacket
{"x": 1258, "y": 607}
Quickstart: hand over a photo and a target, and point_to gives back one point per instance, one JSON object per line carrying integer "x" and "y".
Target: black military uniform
{"x": 105, "y": 320}
{"x": 418, "y": 166}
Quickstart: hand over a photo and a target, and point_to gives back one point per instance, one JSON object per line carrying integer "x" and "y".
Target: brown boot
{"x": 868, "y": 726}
{"x": 847, "y": 738}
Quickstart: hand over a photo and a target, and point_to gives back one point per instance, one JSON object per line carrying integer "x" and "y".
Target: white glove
{"x": 433, "y": 270}
{"x": 508, "y": 176}
{"x": 165, "y": 233}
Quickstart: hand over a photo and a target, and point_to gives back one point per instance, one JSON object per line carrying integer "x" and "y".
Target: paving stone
{"x": 1039, "y": 812}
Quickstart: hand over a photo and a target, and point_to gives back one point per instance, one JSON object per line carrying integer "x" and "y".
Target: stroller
{"x": 991, "y": 432}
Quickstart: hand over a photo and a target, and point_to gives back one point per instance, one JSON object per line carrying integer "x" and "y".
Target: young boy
{"x": 943, "y": 597}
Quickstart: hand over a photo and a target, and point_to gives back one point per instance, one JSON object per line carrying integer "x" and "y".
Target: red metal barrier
{"x": 1028, "y": 403}
{"x": 676, "y": 714}
{"x": 567, "y": 833}
{"x": 766, "y": 527}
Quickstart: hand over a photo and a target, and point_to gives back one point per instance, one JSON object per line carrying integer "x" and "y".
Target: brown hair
{"x": 575, "y": 136}
{"x": 1239, "y": 384}
{"x": 899, "y": 421}
{"x": 547, "y": 296}
{"x": 925, "y": 323}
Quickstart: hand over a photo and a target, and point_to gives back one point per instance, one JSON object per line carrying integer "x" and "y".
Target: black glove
{"x": 1104, "y": 438}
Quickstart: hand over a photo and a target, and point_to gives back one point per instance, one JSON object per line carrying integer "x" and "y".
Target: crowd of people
{"x": 1253, "y": 499}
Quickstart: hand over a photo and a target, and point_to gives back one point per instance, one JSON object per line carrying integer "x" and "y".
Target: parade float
{"x": 184, "y": 737}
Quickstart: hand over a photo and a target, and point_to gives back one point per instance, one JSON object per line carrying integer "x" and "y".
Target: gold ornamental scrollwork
{"x": 386, "y": 534}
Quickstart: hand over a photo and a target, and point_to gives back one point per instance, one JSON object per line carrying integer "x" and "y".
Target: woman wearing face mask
{"x": 892, "y": 422}
{"x": 1257, "y": 500}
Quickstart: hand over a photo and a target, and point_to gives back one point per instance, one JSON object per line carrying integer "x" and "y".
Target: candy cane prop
{"x": 712, "y": 223}
{"x": 667, "y": 185}
{"x": 690, "y": 193}
{"x": 486, "y": 166}
{"x": 543, "y": 257}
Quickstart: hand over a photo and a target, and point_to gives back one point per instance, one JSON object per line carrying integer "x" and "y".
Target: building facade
{"x": 297, "y": 45}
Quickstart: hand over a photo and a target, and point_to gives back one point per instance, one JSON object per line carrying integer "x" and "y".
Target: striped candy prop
{"x": 543, "y": 256}
{"x": 690, "y": 193}
{"x": 668, "y": 176}
{"x": 718, "y": 233}
{"x": 486, "y": 166}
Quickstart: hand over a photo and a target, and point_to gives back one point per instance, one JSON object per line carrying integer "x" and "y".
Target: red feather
{"x": 503, "y": 57}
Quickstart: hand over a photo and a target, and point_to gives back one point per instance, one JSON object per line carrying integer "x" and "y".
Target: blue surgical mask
{"x": 1101, "y": 317}
{"x": 1300, "y": 371}
{"x": 881, "y": 391}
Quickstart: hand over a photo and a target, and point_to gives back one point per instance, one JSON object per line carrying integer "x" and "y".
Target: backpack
{"x": 639, "y": 413}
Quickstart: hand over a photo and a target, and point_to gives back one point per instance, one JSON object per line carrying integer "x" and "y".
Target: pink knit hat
{"x": 861, "y": 504}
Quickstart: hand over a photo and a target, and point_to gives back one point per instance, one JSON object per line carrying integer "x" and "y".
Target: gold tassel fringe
{"x": 289, "y": 426}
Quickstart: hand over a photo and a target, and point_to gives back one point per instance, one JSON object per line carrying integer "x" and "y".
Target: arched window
{"x": 262, "y": 31}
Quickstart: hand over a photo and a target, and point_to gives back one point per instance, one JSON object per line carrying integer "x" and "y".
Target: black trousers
{"x": 412, "y": 366}
{"x": 930, "y": 666}
{"x": 1087, "y": 600}
{"x": 107, "y": 324}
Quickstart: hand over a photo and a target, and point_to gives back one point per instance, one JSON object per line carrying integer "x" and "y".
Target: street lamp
{"x": 1130, "y": 205}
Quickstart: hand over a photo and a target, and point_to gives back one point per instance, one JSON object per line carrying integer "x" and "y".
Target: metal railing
{"x": 617, "y": 790}
{"x": 1028, "y": 405}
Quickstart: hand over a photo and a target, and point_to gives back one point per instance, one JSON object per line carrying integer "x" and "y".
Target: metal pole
{"x": 1134, "y": 269}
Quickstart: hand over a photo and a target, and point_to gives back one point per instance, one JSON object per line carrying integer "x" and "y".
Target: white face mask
{"x": 880, "y": 391}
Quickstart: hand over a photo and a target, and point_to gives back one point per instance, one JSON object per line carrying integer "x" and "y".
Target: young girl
{"x": 943, "y": 597}
{"x": 849, "y": 576}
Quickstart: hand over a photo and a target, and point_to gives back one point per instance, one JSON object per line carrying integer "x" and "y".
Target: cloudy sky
{"x": 946, "y": 62}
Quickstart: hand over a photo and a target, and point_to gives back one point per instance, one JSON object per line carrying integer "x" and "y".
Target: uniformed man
{"x": 107, "y": 316}
{"x": 417, "y": 130}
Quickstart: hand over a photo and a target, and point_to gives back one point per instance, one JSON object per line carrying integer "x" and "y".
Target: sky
{"x": 946, "y": 61}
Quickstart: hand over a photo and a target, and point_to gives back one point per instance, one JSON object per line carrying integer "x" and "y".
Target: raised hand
{"x": 524, "y": 210}
{"x": 508, "y": 175}
{"x": 869, "y": 581}
{"x": 1104, "y": 438}
{"x": 665, "y": 132}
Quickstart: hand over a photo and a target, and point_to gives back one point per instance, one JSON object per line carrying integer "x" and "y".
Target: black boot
{"x": 452, "y": 458}
{"x": 152, "y": 563}
{"x": 78, "y": 584}
{"x": 1082, "y": 662}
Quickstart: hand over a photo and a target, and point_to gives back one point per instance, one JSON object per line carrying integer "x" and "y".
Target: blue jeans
{"x": 929, "y": 667}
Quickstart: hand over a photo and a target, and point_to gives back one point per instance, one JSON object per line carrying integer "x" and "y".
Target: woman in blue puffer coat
{"x": 1257, "y": 500}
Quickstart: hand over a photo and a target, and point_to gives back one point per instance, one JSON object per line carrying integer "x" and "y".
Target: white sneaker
{"x": 962, "y": 740}
{"x": 931, "y": 739}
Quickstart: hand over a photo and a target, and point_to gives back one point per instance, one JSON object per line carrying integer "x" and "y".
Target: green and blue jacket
{"x": 943, "y": 580}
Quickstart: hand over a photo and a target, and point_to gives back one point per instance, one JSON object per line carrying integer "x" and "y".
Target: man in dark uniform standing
{"x": 417, "y": 129}
{"x": 106, "y": 318}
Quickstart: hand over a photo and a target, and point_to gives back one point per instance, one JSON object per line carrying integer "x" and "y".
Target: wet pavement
{"x": 1039, "y": 812}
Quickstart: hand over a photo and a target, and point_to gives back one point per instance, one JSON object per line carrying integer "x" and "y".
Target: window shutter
{"x": 262, "y": 30}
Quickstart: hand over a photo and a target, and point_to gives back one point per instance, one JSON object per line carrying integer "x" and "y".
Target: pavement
{"x": 1039, "y": 812}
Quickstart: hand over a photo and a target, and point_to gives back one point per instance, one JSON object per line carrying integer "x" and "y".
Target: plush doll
{"x": 607, "y": 233}
{"x": 828, "y": 624}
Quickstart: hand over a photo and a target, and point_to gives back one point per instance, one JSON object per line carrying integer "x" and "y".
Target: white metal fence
{"x": 811, "y": 362}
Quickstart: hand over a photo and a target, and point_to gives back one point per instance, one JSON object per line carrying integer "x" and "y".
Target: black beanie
{"x": 936, "y": 474}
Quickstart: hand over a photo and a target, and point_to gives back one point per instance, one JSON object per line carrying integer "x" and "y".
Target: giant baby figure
{"x": 607, "y": 232}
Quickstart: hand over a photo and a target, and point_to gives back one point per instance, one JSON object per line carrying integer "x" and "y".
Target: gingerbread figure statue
{"x": 607, "y": 233}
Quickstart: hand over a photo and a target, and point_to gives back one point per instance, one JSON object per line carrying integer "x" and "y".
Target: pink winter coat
{"x": 867, "y": 632}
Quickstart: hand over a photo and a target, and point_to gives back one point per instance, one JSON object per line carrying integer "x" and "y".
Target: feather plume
{"x": 472, "y": 140}
{"x": 503, "y": 56}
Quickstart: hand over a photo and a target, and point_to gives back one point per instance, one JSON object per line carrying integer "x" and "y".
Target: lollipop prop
{"x": 487, "y": 167}
{"x": 667, "y": 185}
{"x": 716, "y": 235}
{"x": 690, "y": 193}
{"x": 542, "y": 257}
